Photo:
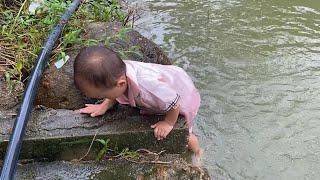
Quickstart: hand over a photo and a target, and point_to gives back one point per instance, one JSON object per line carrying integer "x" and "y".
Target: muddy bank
{"x": 9, "y": 101}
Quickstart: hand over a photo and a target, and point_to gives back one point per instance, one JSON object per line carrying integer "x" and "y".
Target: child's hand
{"x": 97, "y": 109}
{"x": 94, "y": 109}
{"x": 161, "y": 129}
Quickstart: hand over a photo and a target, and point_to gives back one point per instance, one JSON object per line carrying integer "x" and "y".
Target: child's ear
{"x": 122, "y": 81}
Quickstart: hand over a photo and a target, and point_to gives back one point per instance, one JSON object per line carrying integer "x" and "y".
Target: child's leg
{"x": 193, "y": 144}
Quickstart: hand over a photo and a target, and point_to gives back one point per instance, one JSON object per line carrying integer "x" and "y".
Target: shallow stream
{"x": 257, "y": 66}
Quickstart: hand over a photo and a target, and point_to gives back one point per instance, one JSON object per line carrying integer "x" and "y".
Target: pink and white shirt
{"x": 155, "y": 89}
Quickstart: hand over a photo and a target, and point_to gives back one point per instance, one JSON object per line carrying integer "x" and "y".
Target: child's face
{"x": 100, "y": 92}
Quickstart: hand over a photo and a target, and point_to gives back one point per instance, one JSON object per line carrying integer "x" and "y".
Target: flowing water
{"x": 257, "y": 66}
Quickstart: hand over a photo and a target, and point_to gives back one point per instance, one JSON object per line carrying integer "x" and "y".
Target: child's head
{"x": 100, "y": 73}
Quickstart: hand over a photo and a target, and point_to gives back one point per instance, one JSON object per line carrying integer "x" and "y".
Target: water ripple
{"x": 257, "y": 65}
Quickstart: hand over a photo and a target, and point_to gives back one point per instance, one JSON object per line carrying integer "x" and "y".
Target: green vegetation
{"x": 106, "y": 151}
{"x": 22, "y": 34}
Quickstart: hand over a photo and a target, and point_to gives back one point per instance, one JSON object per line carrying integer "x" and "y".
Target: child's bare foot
{"x": 196, "y": 158}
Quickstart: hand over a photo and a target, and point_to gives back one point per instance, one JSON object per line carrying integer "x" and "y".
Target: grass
{"x": 105, "y": 150}
{"x": 22, "y": 34}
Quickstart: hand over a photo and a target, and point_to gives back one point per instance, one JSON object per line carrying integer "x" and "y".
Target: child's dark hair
{"x": 98, "y": 66}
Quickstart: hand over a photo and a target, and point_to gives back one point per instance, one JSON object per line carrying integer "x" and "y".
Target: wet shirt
{"x": 156, "y": 89}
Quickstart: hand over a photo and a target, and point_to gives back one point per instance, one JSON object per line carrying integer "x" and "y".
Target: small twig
{"x": 116, "y": 156}
{"x": 146, "y": 150}
{"x": 9, "y": 61}
{"x": 132, "y": 21}
{"x": 159, "y": 153}
{"x": 27, "y": 51}
{"x": 159, "y": 162}
{"x": 5, "y": 64}
{"x": 15, "y": 19}
{"x": 137, "y": 162}
{"x": 8, "y": 46}
{"x": 6, "y": 115}
{"x": 155, "y": 161}
{"x": 89, "y": 147}
{"x": 126, "y": 20}
{"x": 7, "y": 55}
{"x": 150, "y": 152}
{"x": 149, "y": 162}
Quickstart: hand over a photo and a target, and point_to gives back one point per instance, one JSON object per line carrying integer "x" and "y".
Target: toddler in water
{"x": 155, "y": 89}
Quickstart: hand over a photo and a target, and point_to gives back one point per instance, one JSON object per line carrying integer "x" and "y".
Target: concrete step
{"x": 122, "y": 169}
{"x": 65, "y": 135}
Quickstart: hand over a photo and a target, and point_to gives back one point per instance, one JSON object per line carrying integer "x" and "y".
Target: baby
{"x": 153, "y": 88}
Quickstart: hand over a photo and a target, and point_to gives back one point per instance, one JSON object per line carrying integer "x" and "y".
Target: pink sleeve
{"x": 157, "y": 95}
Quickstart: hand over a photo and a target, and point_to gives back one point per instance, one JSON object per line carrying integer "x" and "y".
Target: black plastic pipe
{"x": 14, "y": 147}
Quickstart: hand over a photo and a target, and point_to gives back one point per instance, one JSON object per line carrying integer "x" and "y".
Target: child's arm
{"x": 98, "y": 109}
{"x": 163, "y": 128}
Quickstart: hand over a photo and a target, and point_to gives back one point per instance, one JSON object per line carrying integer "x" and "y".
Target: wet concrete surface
{"x": 66, "y": 134}
{"x": 178, "y": 168}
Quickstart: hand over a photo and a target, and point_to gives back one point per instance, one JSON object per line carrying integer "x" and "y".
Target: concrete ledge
{"x": 65, "y": 134}
{"x": 112, "y": 169}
